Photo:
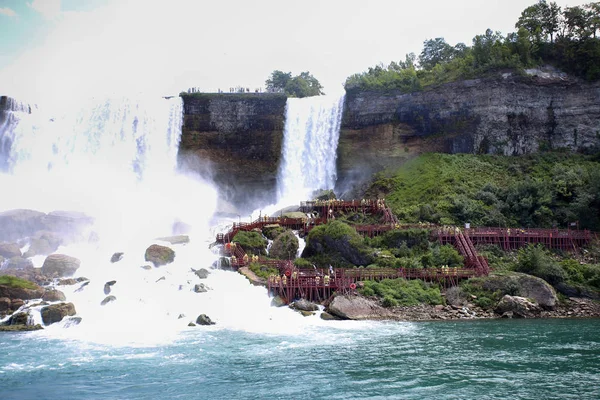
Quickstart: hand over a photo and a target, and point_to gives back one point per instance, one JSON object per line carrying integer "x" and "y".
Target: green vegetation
{"x": 402, "y": 292}
{"x": 543, "y": 190}
{"x": 15, "y": 282}
{"x": 262, "y": 271}
{"x": 303, "y": 85}
{"x": 252, "y": 242}
{"x": 545, "y": 34}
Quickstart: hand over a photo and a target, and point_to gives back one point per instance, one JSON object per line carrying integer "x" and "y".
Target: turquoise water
{"x": 502, "y": 359}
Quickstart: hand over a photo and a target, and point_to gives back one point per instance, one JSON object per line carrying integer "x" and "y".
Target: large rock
{"x": 60, "y": 265}
{"x": 53, "y": 295}
{"x": 9, "y": 250}
{"x": 304, "y": 305}
{"x": 69, "y": 224}
{"x": 159, "y": 255}
{"x": 204, "y": 319}
{"x": 43, "y": 243}
{"x": 518, "y": 307}
{"x": 56, "y": 312}
{"x": 202, "y": 273}
{"x": 18, "y": 263}
{"x": 356, "y": 308}
{"x": 285, "y": 246}
{"x": 21, "y": 293}
{"x": 523, "y": 285}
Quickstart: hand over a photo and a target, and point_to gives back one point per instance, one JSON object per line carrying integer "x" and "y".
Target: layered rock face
{"x": 506, "y": 114}
{"x": 236, "y": 139}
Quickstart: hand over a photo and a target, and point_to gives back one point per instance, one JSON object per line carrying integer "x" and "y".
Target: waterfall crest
{"x": 308, "y": 162}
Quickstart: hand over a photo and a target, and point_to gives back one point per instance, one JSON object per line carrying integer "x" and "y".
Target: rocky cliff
{"x": 236, "y": 139}
{"x": 507, "y": 114}
{"x": 239, "y": 137}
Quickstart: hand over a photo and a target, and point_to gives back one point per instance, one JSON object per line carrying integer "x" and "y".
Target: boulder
{"x": 15, "y": 304}
{"x": 201, "y": 288}
{"x": 159, "y": 255}
{"x": 56, "y": 312}
{"x": 21, "y": 293}
{"x": 202, "y": 273}
{"x": 4, "y": 305}
{"x": 116, "y": 257}
{"x": 518, "y": 306}
{"x": 9, "y": 250}
{"x": 523, "y": 285}
{"x": 44, "y": 243}
{"x": 204, "y": 319}
{"x": 108, "y": 299}
{"x": 277, "y": 301}
{"x": 60, "y": 265}
{"x": 108, "y": 285}
{"x": 54, "y": 295}
{"x": 356, "y": 308}
{"x": 177, "y": 239}
{"x": 69, "y": 224}
{"x": 328, "y": 317}
{"x": 21, "y": 318}
{"x": 304, "y": 305}
{"x": 285, "y": 246}
{"x": 67, "y": 282}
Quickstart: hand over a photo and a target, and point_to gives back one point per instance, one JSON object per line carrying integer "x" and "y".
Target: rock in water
{"x": 9, "y": 250}
{"x": 54, "y": 295}
{"x": 116, "y": 257}
{"x": 107, "y": 300}
{"x": 107, "y": 286}
{"x": 202, "y": 273}
{"x": 159, "y": 255}
{"x": 204, "y": 319}
{"x": 60, "y": 265}
{"x": 56, "y": 312}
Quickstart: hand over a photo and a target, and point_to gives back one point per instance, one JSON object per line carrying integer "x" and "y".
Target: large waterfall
{"x": 308, "y": 163}
{"x": 115, "y": 160}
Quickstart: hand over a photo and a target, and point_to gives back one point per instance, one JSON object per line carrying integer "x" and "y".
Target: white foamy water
{"x": 308, "y": 162}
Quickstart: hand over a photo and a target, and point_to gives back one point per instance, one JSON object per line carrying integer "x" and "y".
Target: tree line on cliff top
{"x": 546, "y": 34}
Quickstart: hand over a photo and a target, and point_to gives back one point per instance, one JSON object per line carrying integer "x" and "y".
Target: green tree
{"x": 278, "y": 80}
{"x": 435, "y": 51}
{"x": 303, "y": 85}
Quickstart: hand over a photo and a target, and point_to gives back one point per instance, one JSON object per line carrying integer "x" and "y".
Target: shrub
{"x": 405, "y": 293}
{"x": 535, "y": 260}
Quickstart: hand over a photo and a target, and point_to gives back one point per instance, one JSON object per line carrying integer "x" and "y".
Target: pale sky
{"x": 52, "y": 49}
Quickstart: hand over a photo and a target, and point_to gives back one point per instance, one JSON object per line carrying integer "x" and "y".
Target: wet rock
{"x": 9, "y": 250}
{"x": 202, "y": 273}
{"x": 116, "y": 257}
{"x": 177, "y": 239}
{"x": 204, "y": 319}
{"x": 21, "y": 318}
{"x": 107, "y": 300}
{"x": 277, "y": 301}
{"x": 4, "y": 305}
{"x": 146, "y": 267}
{"x": 44, "y": 243}
{"x": 201, "y": 288}
{"x": 107, "y": 286}
{"x": 20, "y": 328}
{"x": 159, "y": 255}
{"x": 16, "y": 224}
{"x": 21, "y": 293}
{"x": 84, "y": 284}
{"x": 15, "y": 304}
{"x": 67, "y": 282}
{"x": 304, "y": 305}
{"x": 56, "y": 312}
{"x": 53, "y": 295}
{"x": 328, "y": 317}
{"x": 191, "y": 324}
{"x": 72, "y": 321}
{"x": 60, "y": 265}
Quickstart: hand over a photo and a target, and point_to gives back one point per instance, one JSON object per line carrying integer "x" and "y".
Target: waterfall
{"x": 308, "y": 162}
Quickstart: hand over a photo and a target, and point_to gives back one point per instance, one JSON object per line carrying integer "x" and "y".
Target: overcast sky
{"x": 62, "y": 48}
